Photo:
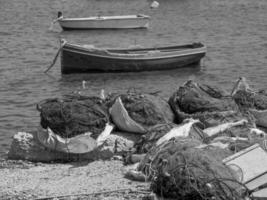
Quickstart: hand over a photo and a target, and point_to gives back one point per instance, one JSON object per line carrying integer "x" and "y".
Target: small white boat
{"x": 104, "y": 22}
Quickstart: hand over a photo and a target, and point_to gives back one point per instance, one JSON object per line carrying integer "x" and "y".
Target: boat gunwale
{"x": 104, "y": 18}
{"x": 85, "y": 51}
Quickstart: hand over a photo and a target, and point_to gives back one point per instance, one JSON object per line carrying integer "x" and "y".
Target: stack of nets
{"x": 193, "y": 98}
{"x": 207, "y": 103}
{"x": 73, "y": 115}
{"x": 180, "y": 170}
{"x": 145, "y": 109}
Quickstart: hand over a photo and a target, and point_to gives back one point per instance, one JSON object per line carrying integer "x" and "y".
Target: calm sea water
{"x": 234, "y": 31}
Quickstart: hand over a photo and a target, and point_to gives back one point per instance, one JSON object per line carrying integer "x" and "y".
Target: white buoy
{"x": 154, "y": 4}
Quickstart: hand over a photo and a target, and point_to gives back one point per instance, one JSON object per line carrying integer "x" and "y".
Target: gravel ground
{"x": 95, "y": 180}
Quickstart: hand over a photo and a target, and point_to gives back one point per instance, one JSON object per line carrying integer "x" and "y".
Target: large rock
{"x": 117, "y": 143}
{"x": 25, "y": 146}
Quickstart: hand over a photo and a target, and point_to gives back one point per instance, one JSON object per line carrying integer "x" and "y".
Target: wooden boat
{"x": 104, "y": 22}
{"x": 86, "y": 58}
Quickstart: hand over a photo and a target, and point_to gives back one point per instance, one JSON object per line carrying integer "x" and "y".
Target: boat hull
{"x": 104, "y": 23}
{"x": 76, "y": 61}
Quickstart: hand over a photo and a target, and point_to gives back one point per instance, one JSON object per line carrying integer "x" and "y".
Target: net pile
{"x": 180, "y": 170}
{"x": 145, "y": 109}
{"x": 148, "y": 141}
{"x": 206, "y": 103}
{"x": 73, "y": 115}
{"x": 193, "y": 98}
{"x": 246, "y": 99}
{"x": 151, "y": 137}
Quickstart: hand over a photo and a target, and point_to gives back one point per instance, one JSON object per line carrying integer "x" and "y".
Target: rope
{"x": 63, "y": 42}
{"x": 185, "y": 178}
{"x": 53, "y": 22}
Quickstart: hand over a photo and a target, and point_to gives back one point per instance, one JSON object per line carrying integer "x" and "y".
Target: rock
{"x": 25, "y": 146}
{"x": 116, "y": 144}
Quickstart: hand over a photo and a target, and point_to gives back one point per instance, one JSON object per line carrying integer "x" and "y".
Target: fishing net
{"x": 252, "y": 103}
{"x": 247, "y": 99}
{"x": 192, "y": 98}
{"x": 209, "y": 119}
{"x": 145, "y": 109}
{"x": 154, "y": 134}
{"x": 180, "y": 170}
{"x": 239, "y": 145}
{"x": 213, "y": 91}
{"x": 151, "y": 137}
{"x": 73, "y": 115}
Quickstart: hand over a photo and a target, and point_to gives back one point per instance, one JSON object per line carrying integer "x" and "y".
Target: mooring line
{"x": 62, "y": 43}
